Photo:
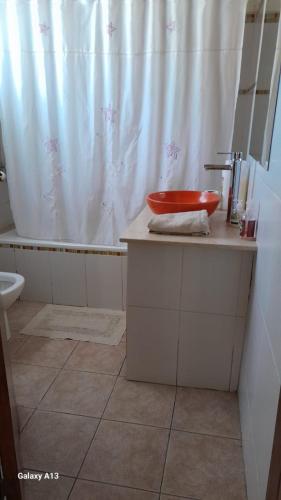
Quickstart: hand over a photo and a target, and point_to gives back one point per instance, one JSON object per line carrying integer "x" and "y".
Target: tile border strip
{"x": 270, "y": 17}
{"x": 64, "y": 250}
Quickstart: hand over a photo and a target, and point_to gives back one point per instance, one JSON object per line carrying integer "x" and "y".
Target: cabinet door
{"x": 205, "y": 350}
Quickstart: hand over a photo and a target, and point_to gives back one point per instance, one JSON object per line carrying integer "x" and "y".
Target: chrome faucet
{"x": 235, "y": 167}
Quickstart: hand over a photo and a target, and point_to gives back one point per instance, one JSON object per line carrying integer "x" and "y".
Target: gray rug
{"x": 103, "y": 326}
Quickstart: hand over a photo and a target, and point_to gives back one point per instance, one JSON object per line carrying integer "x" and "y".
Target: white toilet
{"x": 11, "y": 285}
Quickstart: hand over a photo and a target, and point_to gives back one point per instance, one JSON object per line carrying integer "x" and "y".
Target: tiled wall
{"x": 6, "y": 218}
{"x": 69, "y": 278}
{"x": 261, "y": 365}
{"x": 182, "y": 330}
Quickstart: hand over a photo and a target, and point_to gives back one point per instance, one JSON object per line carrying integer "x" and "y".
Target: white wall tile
{"x": 261, "y": 364}
{"x": 7, "y": 260}
{"x": 152, "y": 344}
{"x": 35, "y": 267}
{"x": 247, "y": 260}
{"x": 104, "y": 281}
{"x": 268, "y": 268}
{"x": 265, "y": 409}
{"x": 68, "y": 278}
{"x": 259, "y": 392}
{"x": 124, "y": 281}
{"x": 201, "y": 269}
{"x": 156, "y": 279}
{"x": 205, "y": 350}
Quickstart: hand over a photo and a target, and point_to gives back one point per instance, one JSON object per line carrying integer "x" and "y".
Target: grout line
{"x": 63, "y": 412}
{"x": 108, "y": 484}
{"x": 122, "y": 376}
{"x": 92, "y": 440}
{"x": 207, "y": 435}
{"x": 189, "y": 311}
{"x": 51, "y": 384}
{"x": 168, "y": 444}
{"x": 232, "y": 362}
{"x": 71, "y": 369}
{"x": 180, "y": 313}
{"x": 48, "y": 410}
{"x": 171, "y": 428}
{"x": 72, "y": 487}
{"x": 29, "y": 418}
{"x": 120, "y": 486}
{"x": 158, "y": 427}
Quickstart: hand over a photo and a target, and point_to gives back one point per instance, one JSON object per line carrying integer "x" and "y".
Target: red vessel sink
{"x": 165, "y": 202}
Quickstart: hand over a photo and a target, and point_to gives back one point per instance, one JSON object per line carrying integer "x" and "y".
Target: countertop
{"x": 222, "y": 235}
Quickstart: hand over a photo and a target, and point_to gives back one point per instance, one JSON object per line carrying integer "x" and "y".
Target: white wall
{"x": 6, "y": 218}
{"x": 261, "y": 365}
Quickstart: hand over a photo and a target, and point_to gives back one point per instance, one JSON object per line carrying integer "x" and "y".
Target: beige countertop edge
{"x": 222, "y": 235}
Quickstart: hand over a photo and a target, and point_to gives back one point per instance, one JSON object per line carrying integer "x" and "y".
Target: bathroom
{"x": 140, "y": 270}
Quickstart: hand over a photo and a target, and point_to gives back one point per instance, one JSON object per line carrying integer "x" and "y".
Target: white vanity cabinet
{"x": 187, "y": 301}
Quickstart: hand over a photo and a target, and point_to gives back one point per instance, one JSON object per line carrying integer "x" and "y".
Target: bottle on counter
{"x": 242, "y": 219}
{"x": 249, "y": 221}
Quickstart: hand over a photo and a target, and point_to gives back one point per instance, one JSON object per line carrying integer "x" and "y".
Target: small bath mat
{"x": 103, "y": 326}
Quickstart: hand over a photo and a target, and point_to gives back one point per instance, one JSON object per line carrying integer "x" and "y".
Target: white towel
{"x": 193, "y": 223}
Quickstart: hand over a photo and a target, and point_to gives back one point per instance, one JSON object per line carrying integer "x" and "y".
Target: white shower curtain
{"x": 103, "y": 101}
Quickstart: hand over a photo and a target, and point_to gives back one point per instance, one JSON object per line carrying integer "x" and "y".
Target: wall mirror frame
{"x": 259, "y": 80}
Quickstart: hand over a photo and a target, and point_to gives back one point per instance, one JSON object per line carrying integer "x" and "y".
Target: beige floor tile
{"x": 207, "y": 412}
{"x": 86, "y": 490}
{"x": 23, "y": 415}
{"x": 79, "y": 392}
{"x": 169, "y": 497}
{"x": 31, "y": 383}
{"x": 56, "y": 442}
{"x": 15, "y": 343}
{"x": 209, "y": 468}
{"x": 47, "y": 489}
{"x": 44, "y": 352}
{"x": 141, "y": 403}
{"x": 97, "y": 358}
{"x": 127, "y": 455}
{"x": 21, "y": 313}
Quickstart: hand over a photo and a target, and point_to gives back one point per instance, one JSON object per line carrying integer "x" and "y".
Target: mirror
{"x": 266, "y": 87}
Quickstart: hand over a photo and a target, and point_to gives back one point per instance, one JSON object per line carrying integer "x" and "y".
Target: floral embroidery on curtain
{"x": 104, "y": 101}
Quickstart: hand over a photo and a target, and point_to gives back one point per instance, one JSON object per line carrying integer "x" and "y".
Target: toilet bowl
{"x": 11, "y": 285}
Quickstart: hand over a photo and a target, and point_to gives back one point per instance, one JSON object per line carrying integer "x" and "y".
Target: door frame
{"x": 274, "y": 478}
{"x": 8, "y": 451}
